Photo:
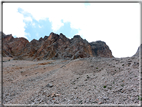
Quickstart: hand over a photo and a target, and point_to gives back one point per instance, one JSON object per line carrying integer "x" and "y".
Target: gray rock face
{"x": 55, "y": 46}
{"x": 100, "y": 48}
{"x": 139, "y": 51}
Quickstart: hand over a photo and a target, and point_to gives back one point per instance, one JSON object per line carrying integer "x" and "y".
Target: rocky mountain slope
{"x": 80, "y": 81}
{"x": 96, "y": 80}
{"x": 53, "y": 46}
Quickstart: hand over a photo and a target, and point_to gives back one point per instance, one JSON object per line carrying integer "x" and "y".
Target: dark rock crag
{"x": 53, "y": 46}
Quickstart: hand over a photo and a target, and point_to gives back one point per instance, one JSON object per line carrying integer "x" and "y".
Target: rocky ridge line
{"x": 53, "y": 46}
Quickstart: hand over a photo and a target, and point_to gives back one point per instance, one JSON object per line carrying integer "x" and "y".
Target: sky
{"x": 117, "y": 24}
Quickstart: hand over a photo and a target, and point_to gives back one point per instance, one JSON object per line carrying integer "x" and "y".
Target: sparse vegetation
{"x": 88, "y": 76}
{"x": 73, "y": 83}
{"x": 80, "y": 102}
{"x": 104, "y": 86}
{"x": 97, "y": 68}
{"x": 139, "y": 98}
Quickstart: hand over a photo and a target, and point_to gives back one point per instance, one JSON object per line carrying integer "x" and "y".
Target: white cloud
{"x": 28, "y": 19}
{"x": 115, "y": 23}
{"x": 13, "y": 20}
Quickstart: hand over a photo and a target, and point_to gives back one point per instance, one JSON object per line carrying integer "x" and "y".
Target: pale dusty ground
{"x": 80, "y": 81}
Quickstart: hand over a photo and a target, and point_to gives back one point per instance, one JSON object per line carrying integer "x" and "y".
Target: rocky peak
{"x": 45, "y": 37}
{"x": 98, "y": 44}
{"x": 53, "y": 36}
{"x": 99, "y": 48}
{"x": 7, "y": 38}
{"x": 2, "y": 34}
{"x": 77, "y": 37}
{"x": 41, "y": 39}
{"x": 62, "y": 35}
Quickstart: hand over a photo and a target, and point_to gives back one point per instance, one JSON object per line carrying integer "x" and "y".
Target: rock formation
{"x": 12, "y": 46}
{"x": 99, "y": 48}
{"x": 53, "y": 46}
{"x": 139, "y": 51}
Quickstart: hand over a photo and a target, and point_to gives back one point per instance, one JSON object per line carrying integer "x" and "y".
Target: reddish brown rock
{"x": 13, "y": 46}
{"x": 54, "y": 46}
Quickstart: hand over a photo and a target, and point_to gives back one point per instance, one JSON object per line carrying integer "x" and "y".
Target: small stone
{"x": 53, "y": 94}
{"x": 57, "y": 94}
{"x": 105, "y": 98}
{"x": 99, "y": 102}
{"x": 49, "y": 85}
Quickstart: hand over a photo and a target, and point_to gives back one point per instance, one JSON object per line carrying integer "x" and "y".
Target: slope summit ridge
{"x": 53, "y": 46}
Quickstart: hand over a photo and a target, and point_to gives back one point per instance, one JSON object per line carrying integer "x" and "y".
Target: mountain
{"x": 53, "y": 46}
{"x": 139, "y": 51}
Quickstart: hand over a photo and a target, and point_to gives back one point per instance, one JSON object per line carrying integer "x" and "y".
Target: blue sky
{"x": 117, "y": 24}
{"x": 37, "y": 29}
